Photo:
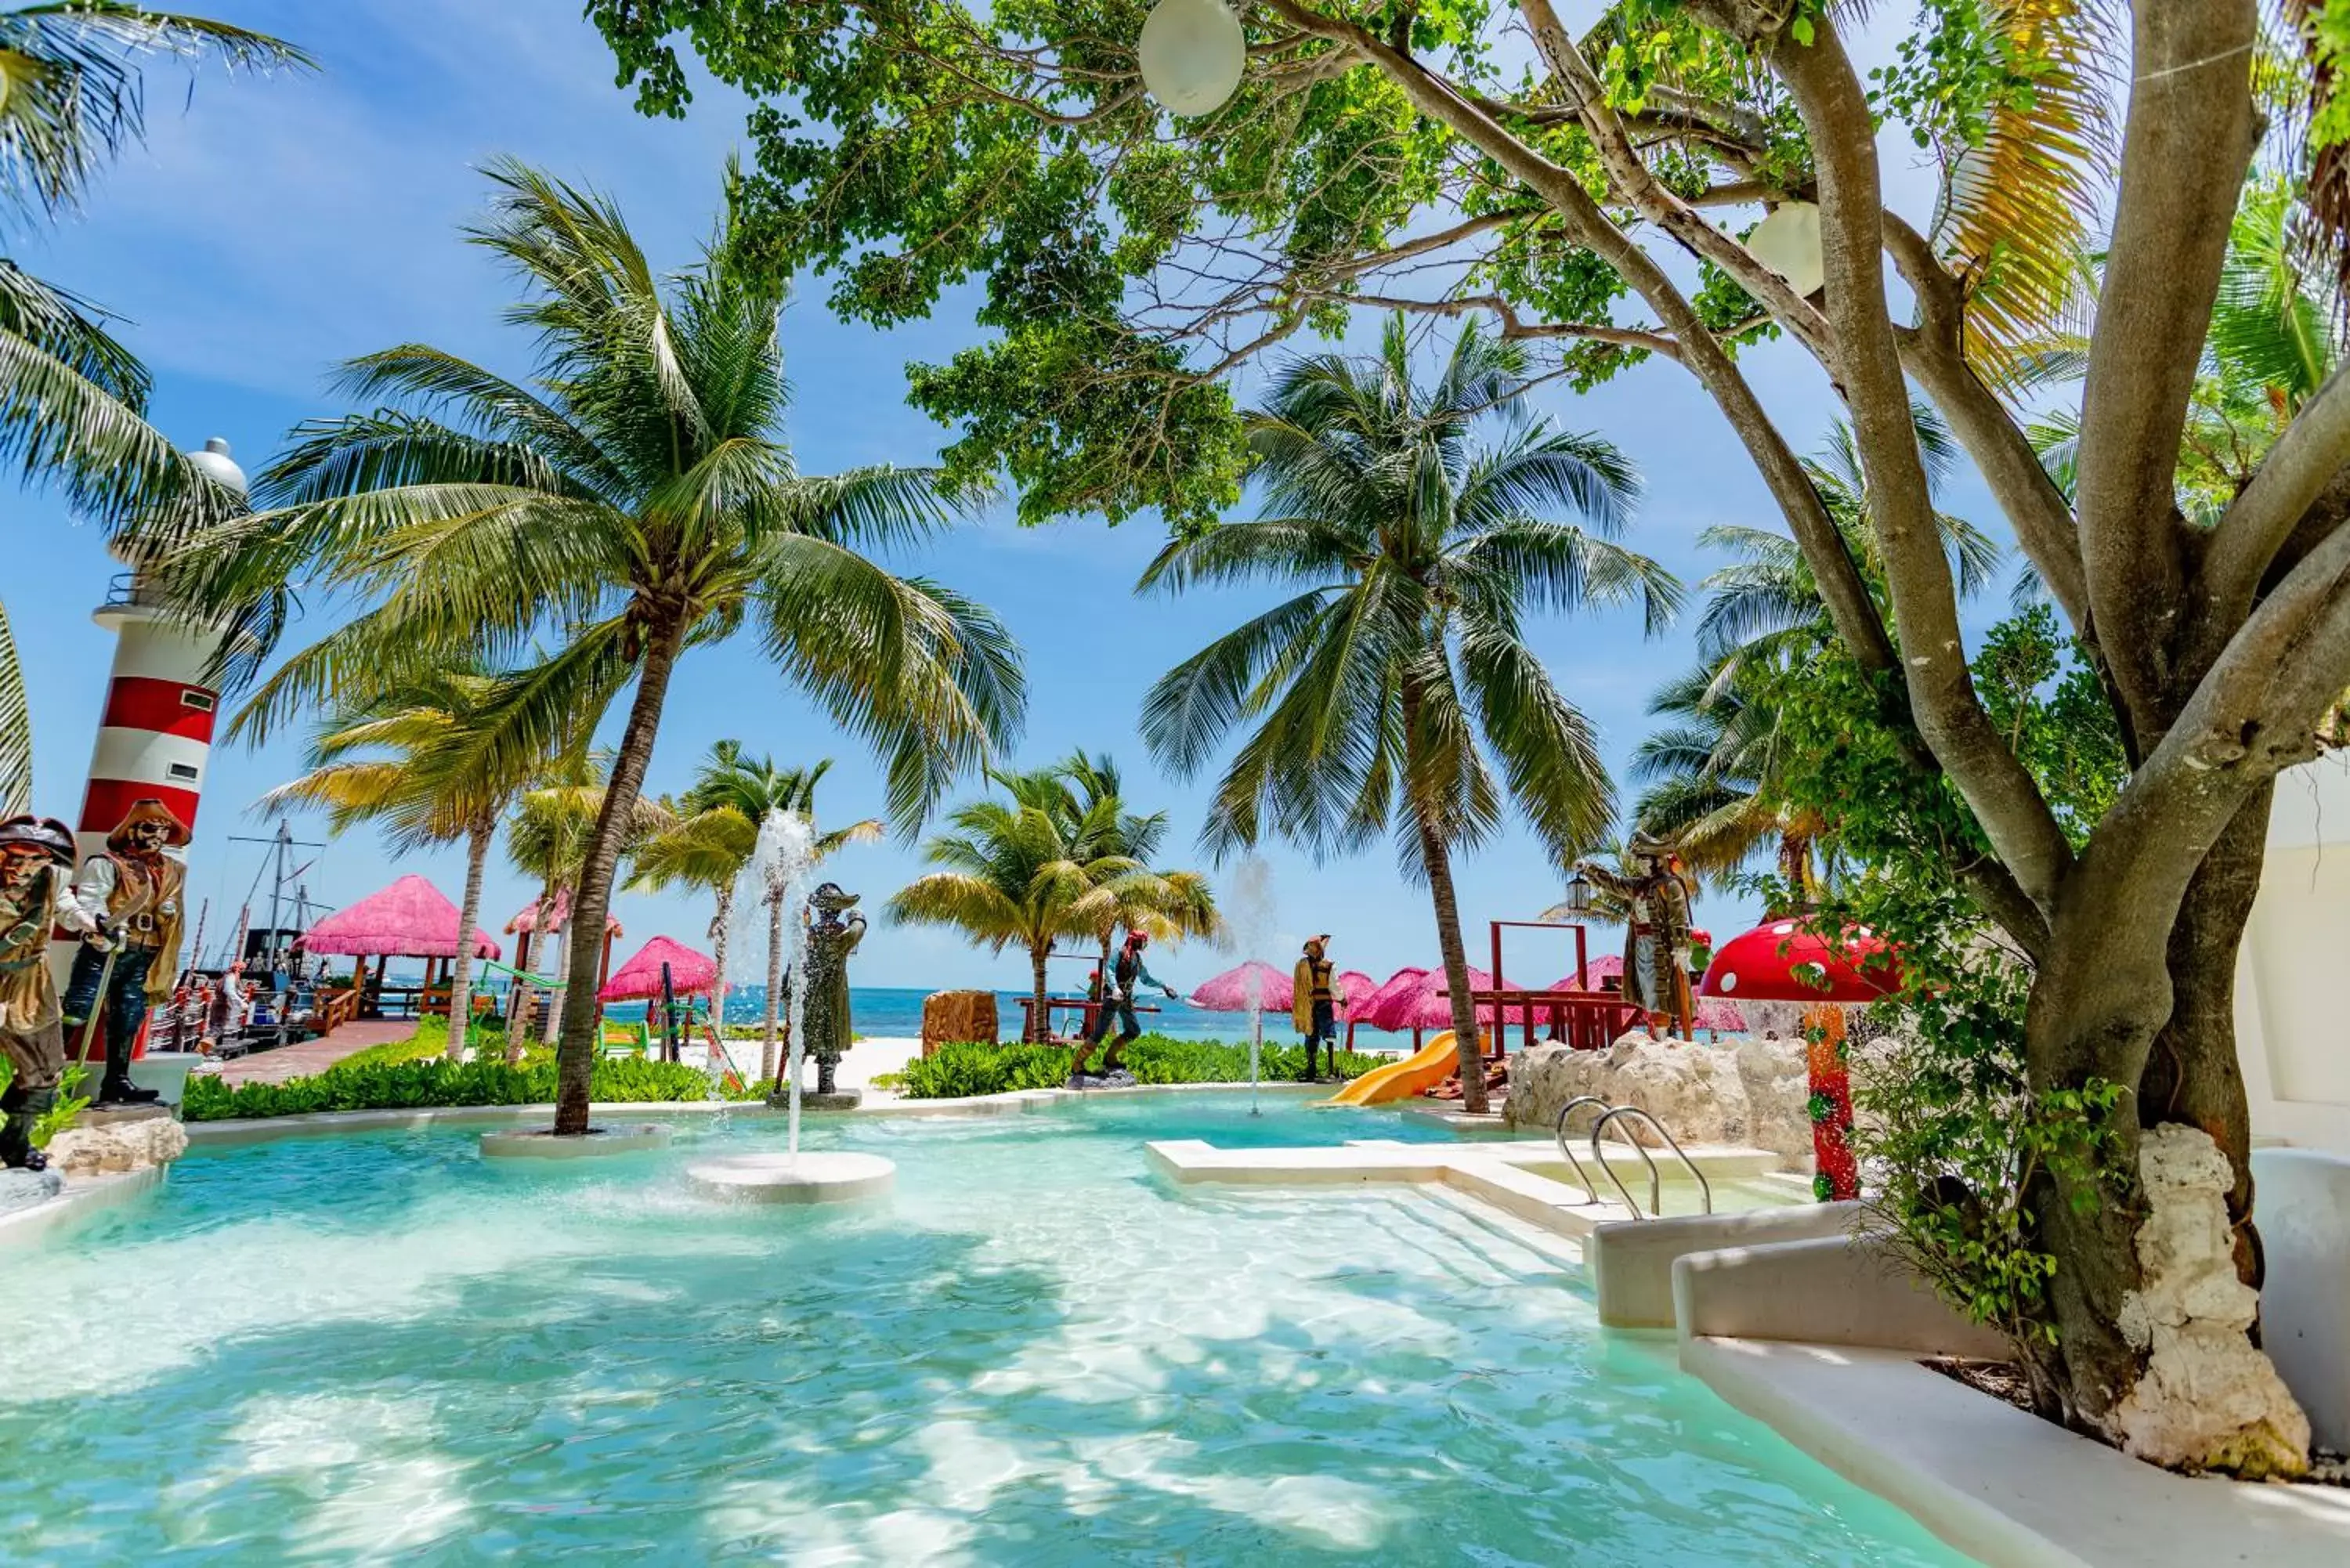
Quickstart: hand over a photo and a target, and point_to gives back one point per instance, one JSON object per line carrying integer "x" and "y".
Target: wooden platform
{"x": 315, "y": 1057}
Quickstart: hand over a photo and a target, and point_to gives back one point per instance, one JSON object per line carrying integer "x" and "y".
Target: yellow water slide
{"x": 1422, "y": 1070}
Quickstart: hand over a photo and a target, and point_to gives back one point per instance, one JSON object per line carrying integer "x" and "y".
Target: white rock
{"x": 1751, "y": 1093}
{"x": 123, "y": 1146}
{"x": 2209, "y": 1397}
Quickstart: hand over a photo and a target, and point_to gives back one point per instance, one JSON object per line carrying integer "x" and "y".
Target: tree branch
{"x": 1512, "y": 325}
{"x": 2298, "y": 469}
{"x": 1900, "y": 504}
{"x": 1935, "y": 356}
{"x": 1850, "y": 607}
{"x": 2191, "y": 131}
{"x": 1631, "y": 179}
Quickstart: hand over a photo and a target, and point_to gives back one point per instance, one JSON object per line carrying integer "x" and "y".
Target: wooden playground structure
{"x": 1586, "y": 1016}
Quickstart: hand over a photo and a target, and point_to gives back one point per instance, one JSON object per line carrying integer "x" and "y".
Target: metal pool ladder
{"x": 1655, "y": 1184}
{"x": 1567, "y": 1150}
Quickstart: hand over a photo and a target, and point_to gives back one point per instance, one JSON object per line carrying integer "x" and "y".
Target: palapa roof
{"x": 525, "y": 919}
{"x": 411, "y": 919}
{"x": 1229, "y": 992}
{"x": 690, "y": 973}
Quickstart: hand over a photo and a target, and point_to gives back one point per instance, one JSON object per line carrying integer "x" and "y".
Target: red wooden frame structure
{"x": 1585, "y": 1018}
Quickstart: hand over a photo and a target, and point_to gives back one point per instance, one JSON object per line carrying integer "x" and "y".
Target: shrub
{"x": 363, "y": 1086}
{"x": 977, "y": 1067}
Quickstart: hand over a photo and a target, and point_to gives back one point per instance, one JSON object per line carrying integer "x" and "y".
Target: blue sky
{"x": 275, "y": 226}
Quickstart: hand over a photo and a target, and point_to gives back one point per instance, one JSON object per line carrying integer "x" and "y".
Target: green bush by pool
{"x": 979, "y": 1068}
{"x": 405, "y": 1085}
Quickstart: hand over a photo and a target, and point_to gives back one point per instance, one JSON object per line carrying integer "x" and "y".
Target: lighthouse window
{"x": 182, "y": 772}
{"x": 202, "y": 701}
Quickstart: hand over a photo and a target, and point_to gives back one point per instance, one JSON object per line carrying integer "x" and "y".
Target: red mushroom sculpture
{"x": 1779, "y": 961}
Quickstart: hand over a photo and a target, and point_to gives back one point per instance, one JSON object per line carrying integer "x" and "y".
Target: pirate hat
{"x": 46, "y": 834}
{"x": 151, "y": 809}
{"x": 828, "y": 895}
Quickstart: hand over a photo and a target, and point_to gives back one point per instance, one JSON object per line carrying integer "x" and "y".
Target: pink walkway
{"x": 313, "y": 1056}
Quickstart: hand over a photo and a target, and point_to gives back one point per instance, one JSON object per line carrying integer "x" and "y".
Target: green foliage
{"x": 1955, "y": 1143}
{"x": 401, "y": 1084}
{"x": 2041, "y": 693}
{"x": 70, "y": 1101}
{"x": 973, "y": 1068}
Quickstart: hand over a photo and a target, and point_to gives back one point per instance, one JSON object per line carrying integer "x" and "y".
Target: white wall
{"x": 2292, "y": 980}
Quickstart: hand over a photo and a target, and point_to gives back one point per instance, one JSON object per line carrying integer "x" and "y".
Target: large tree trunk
{"x": 1465, "y": 1042}
{"x": 575, "y": 1057}
{"x": 2124, "y": 1001}
{"x": 469, "y": 915}
{"x": 769, "y": 1055}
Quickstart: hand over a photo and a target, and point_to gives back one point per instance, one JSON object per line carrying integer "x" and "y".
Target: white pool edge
{"x": 82, "y": 1198}
{"x": 2004, "y": 1486}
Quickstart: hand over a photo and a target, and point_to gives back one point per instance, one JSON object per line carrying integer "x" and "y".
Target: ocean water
{"x": 896, "y": 1012}
{"x": 379, "y": 1348}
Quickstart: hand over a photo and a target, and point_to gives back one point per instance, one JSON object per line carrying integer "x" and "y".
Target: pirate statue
{"x": 35, "y": 858}
{"x": 1655, "y": 899}
{"x": 131, "y": 892}
{"x": 825, "y": 1012}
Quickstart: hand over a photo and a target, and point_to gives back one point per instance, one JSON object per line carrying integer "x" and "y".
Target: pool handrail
{"x": 1656, "y": 1185}
{"x": 1568, "y": 1109}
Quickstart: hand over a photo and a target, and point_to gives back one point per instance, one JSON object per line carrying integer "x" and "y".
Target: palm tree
{"x": 1711, "y": 778}
{"x": 403, "y": 758}
{"x": 1169, "y": 905}
{"x": 1375, "y": 692}
{"x": 73, "y": 400}
{"x": 637, "y": 502}
{"x": 708, "y": 838}
{"x": 1023, "y": 872}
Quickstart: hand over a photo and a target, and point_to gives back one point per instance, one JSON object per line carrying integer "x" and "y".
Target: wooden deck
{"x": 313, "y": 1056}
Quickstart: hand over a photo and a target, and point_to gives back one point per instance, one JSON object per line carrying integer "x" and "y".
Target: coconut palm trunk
{"x": 770, "y": 1046}
{"x": 559, "y": 972}
{"x": 720, "y": 924}
{"x": 517, "y": 990}
{"x": 574, "y": 1055}
{"x": 469, "y": 915}
{"x": 1040, "y": 1017}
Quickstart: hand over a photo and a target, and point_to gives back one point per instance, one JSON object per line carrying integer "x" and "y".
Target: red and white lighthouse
{"x": 156, "y": 733}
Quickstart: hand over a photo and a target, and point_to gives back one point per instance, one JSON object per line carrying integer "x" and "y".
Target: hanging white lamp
{"x": 1788, "y": 242}
{"x": 1192, "y": 54}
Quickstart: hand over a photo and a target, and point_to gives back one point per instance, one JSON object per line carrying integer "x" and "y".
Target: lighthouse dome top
{"x": 213, "y": 459}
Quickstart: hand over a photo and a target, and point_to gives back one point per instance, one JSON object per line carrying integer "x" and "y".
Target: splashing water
{"x": 1248, "y": 910}
{"x": 778, "y": 875}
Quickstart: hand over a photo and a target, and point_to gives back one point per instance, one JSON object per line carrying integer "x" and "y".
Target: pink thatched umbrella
{"x": 1422, "y": 1002}
{"x": 1374, "y": 1008}
{"x": 1230, "y": 991}
{"x": 1356, "y": 990}
{"x": 411, "y": 919}
{"x": 639, "y": 980}
{"x": 526, "y": 921}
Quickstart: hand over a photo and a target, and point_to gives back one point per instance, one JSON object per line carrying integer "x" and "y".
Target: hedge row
{"x": 979, "y": 1068}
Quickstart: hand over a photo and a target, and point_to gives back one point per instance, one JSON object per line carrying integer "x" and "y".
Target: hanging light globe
{"x": 1578, "y": 896}
{"x": 1788, "y": 242}
{"x": 1191, "y": 53}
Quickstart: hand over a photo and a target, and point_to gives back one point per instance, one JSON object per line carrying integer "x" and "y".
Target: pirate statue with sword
{"x": 131, "y": 892}
{"x": 36, "y": 854}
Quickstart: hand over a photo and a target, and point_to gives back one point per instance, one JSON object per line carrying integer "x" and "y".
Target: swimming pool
{"x": 375, "y": 1347}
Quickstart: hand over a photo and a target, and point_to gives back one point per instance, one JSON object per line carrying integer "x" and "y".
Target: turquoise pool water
{"x": 376, "y": 1348}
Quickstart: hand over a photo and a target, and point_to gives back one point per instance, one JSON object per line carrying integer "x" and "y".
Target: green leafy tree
{"x": 1371, "y": 697}
{"x": 708, "y": 840}
{"x": 73, "y": 400}
{"x": 405, "y": 759}
{"x": 637, "y": 503}
{"x": 1593, "y": 191}
{"x": 1171, "y": 905}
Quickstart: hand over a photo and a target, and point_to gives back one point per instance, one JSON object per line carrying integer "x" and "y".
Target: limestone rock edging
{"x": 123, "y": 1147}
{"x": 1746, "y": 1092}
{"x": 2209, "y": 1397}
